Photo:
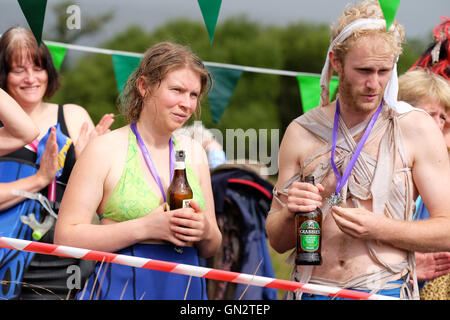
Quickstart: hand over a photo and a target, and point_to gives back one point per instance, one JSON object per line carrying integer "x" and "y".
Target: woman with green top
{"x": 123, "y": 177}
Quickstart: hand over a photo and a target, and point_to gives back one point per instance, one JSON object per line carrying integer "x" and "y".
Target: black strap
{"x": 62, "y": 121}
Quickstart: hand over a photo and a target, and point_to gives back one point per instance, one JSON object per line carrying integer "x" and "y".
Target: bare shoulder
{"x": 75, "y": 110}
{"x": 292, "y": 147}
{"x": 421, "y": 134}
{"x": 75, "y": 116}
{"x": 417, "y": 125}
{"x": 299, "y": 140}
{"x": 295, "y": 130}
{"x": 108, "y": 144}
{"x": 416, "y": 118}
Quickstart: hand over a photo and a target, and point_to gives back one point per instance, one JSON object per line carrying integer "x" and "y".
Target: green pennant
{"x": 34, "y": 12}
{"x": 124, "y": 66}
{"x": 210, "y": 12}
{"x": 58, "y": 53}
{"x": 310, "y": 90}
{"x": 389, "y": 8}
{"x": 225, "y": 81}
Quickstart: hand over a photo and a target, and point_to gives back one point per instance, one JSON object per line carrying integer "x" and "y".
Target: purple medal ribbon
{"x": 149, "y": 161}
{"x": 336, "y": 198}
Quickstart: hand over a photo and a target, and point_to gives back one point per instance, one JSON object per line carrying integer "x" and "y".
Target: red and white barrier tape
{"x": 189, "y": 270}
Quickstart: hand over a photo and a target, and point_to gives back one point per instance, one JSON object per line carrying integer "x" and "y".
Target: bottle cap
{"x": 37, "y": 235}
{"x": 180, "y": 155}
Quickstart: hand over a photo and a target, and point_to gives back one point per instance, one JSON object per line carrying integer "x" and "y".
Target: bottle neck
{"x": 180, "y": 165}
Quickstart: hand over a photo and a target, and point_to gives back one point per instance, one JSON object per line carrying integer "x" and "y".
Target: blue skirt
{"x": 115, "y": 281}
{"x": 384, "y": 292}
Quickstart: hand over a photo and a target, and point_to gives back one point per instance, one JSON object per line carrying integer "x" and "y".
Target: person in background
{"x": 28, "y": 75}
{"x": 436, "y": 58}
{"x": 18, "y": 128}
{"x": 214, "y": 150}
{"x": 371, "y": 156}
{"x": 429, "y": 91}
{"x": 127, "y": 188}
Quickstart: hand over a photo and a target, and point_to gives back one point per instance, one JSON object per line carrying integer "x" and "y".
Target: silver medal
{"x": 334, "y": 199}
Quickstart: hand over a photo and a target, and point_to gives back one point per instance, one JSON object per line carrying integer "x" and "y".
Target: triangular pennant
{"x": 225, "y": 81}
{"x": 58, "y": 53}
{"x": 310, "y": 90}
{"x": 34, "y": 12}
{"x": 389, "y": 8}
{"x": 124, "y": 66}
{"x": 210, "y": 12}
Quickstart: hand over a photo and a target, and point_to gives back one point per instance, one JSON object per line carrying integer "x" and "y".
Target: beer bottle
{"x": 179, "y": 193}
{"x": 308, "y": 227}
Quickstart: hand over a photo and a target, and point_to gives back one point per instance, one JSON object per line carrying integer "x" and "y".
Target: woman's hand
{"x": 101, "y": 128}
{"x": 432, "y": 265}
{"x": 49, "y": 162}
{"x": 188, "y": 224}
{"x": 179, "y": 226}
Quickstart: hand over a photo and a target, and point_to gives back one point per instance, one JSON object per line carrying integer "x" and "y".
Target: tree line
{"x": 259, "y": 101}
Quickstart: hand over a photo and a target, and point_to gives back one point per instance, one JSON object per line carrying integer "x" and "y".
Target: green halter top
{"x": 132, "y": 197}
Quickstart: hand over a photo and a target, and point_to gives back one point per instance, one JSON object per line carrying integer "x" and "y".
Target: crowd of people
{"x": 379, "y": 154}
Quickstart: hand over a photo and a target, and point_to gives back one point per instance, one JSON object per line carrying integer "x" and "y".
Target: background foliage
{"x": 259, "y": 101}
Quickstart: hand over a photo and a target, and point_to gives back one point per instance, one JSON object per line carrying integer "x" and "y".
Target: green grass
{"x": 281, "y": 269}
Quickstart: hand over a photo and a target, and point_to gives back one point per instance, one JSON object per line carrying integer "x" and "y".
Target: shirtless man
{"x": 369, "y": 238}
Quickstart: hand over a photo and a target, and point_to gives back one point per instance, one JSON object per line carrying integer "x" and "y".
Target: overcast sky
{"x": 418, "y": 16}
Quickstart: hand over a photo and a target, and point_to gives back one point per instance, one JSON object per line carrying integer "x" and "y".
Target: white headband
{"x": 391, "y": 91}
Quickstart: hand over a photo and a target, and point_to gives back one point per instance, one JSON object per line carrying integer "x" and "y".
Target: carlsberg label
{"x": 310, "y": 235}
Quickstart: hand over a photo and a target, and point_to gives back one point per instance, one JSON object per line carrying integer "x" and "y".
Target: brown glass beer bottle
{"x": 179, "y": 193}
{"x": 308, "y": 227}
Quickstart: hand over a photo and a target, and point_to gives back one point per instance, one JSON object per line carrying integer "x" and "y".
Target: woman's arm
{"x": 81, "y": 127}
{"x": 18, "y": 128}
{"x": 84, "y": 194}
{"x": 36, "y": 182}
{"x": 82, "y": 197}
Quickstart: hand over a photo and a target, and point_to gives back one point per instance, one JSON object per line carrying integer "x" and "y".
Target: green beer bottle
{"x": 308, "y": 227}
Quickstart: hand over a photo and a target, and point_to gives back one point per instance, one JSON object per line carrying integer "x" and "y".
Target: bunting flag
{"x": 389, "y": 8}
{"x": 210, "y": 12}
{"x": 34, "y": 12}
{"x": 310, "y": 90}
{"x": 225, "y": 80}
{"x": 124, "y": 66}
{"x": 58, "y": 53}
{"x": 225, "y": 77}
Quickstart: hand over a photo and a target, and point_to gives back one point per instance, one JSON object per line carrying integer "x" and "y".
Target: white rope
{"x": 207, "y": 63}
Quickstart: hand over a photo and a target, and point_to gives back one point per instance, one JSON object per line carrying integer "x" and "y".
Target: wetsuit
{"x": 45, "y": 274}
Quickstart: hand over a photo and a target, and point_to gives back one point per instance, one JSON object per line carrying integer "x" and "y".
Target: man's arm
{"x": 280, "y": 223}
